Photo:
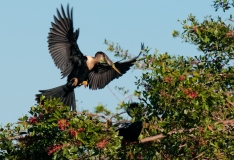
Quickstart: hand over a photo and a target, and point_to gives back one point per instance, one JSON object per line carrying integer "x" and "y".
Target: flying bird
{"x": 95, "y": 72}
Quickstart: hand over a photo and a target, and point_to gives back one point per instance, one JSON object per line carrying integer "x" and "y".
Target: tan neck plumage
{"x": 91, "y": 62}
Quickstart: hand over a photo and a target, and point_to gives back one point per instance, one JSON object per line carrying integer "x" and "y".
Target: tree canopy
{"x": 186, "y": 105}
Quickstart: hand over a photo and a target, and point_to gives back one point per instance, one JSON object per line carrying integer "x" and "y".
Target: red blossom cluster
{"x": 62, "y": 124}
{"x": 53, "y": 149}
{"x": 181, "y": 78}
{"x": 168, "y": 79}
{"x": 81, "y": 130}
{"x": 102, "y": 144}
{"x": 190, "y": 93}
{"x": 193, "y": 94}
{"x": 33, "y": 120}
{"x": 73, "y": 132}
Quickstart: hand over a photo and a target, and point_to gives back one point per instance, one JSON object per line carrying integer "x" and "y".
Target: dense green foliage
{"x": 55, "y": 132}
{"x": 187, "y": 107}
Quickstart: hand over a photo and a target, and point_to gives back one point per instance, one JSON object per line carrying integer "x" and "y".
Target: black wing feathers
{"x": 62, "y": 41}
{"x": 101, "y": 75}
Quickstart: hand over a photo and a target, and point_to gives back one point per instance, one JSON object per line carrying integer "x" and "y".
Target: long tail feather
{"x": 65, "y": 93}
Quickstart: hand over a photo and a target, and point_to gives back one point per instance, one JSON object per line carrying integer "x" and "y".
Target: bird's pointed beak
{"x": 113, "y": 66}
{"x": 110, "y": 63}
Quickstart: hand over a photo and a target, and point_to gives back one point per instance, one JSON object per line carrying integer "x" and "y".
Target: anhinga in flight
{"x": 95, "y": 72}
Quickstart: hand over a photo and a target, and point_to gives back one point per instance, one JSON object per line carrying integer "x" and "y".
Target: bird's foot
{"x": 85, "y": 83}
{"x": 75, "y": 81}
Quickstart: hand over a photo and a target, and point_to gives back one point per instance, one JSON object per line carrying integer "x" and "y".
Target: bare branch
{"x": 113, "y": 93}
{"x": 199, "y": 155}
{"x": 160, "y": 136}
{"x": 116, "y": 115}
{"x": 92, "y": 114}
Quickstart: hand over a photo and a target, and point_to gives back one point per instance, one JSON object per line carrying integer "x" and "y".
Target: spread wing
{"x": 101, "y": 75}
{"x": 62, "y": 42}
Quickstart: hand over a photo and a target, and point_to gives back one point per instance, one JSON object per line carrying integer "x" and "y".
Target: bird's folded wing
{"x": 62, "y": 41}
{"x": 122, "y": 125}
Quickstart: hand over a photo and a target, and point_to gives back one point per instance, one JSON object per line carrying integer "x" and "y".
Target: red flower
{"x": 73, "y": 132}
{"x": 62, "y": 124}
{"x": 33, "y": 120}
{"x": 192, "y": 94}
{"x": 53, "y": 149}
{"x": 181, "y": 78}
{"x": 102, "y": 144}
{"x": 81, "y": 130}
{"x": 187, "y": 91}
{"x": 168, "y": 79}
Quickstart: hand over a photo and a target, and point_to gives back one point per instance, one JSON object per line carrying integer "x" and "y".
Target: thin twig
{"x": 91, "y": 114}
{"x": 231, "y": 20}
{"x": 225, "y": 122}
{"x": 113, "y": 93}
{"x": 116, "y": 115}
{"x": 119, "y": 92}
{"x": 131, "y": 95}
{"x": 199, "y": 155}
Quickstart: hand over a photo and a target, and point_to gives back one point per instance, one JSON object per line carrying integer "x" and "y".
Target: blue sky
{"x": 25, "y": 63}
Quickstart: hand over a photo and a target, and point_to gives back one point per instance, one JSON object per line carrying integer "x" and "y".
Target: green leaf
{"x": 52, "y": 119}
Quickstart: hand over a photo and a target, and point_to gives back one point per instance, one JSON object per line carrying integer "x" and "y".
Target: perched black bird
{"x": 130, "y": 131}
{"x": 95, "y": 72}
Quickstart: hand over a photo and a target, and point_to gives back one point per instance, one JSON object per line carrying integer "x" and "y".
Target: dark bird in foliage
{"x": 95, "y": 72}
{"x": 128, "y": 130}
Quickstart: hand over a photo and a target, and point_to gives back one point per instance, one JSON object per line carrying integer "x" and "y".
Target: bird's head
{"x": 105, "y": 59}
{"x": 136, "y": 110}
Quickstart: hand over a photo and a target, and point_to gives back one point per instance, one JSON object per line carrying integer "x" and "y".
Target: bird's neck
{"x": 91, "y": 61}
